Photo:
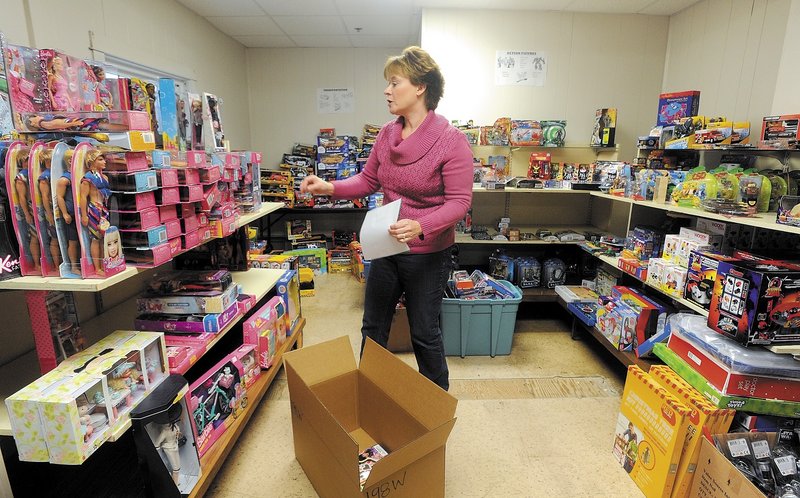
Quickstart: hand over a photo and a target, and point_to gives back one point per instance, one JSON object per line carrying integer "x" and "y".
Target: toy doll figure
{"x": 23, "y": 209}
{"x": 197, "y": 124}
{"x": 106, "y": 99}
{"x": 65, "y": 218}
{"x": 19, "y": 86}
{"x": 58, "y": 86}
{"x": 167, "y": 438}
{"x": 94, "y": 194}
{"x": 151, "y": 97}
{"x": 47, "y": 223}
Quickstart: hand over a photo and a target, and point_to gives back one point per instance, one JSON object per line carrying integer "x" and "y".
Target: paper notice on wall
{"x": 516, "y": 67}
{"x": 335, "y": 100}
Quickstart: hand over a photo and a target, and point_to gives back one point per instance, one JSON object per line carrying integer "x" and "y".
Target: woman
{"x": 423, "y": 160}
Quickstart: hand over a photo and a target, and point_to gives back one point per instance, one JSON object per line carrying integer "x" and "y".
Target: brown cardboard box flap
{"x": 322, "y": 361}
{"x": 423, "y": 399}
{"x": 312, "y": 413}
{"x": 410, "y": 453}
{"x": 716, "y": 477}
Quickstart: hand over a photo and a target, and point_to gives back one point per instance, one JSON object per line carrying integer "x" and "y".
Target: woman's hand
{"x": 316, "y": 185}
{"x": 405, "y": 230}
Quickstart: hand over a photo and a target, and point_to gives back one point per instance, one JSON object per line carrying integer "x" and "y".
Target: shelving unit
{"x": 212, "y": 461}
{"x": 464, "y": 238}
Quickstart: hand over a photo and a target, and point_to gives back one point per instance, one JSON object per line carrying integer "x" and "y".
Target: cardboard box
{"x": 339, "y": 410}
{"x": 672, "y": 107}
{"x": 716, "y": 477}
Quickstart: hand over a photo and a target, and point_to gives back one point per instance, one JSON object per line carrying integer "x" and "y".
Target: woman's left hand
{"x": 405, "y": 230}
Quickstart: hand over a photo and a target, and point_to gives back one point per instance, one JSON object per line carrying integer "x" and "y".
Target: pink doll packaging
{"x": 27, "y": 82}
{"x": 41, "y": 197}
{"x": 22, "y": 208}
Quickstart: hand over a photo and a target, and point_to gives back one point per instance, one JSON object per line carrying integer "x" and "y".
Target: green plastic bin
{"x": 479, "y": 327}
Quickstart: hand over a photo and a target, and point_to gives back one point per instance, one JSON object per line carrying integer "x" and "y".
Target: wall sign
{"x": 520, "y": 68}
{"x": 334, "y": 100}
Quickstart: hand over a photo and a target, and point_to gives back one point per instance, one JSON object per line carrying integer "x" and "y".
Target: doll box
{"x": 212, "y": 322}
{"x": 145, "y": 219}
{"x": 218, "y": 396}
{"x": 264, "y": 330}
{"x": 144, "y": 238}
{"x": 191, "y": 193}
{"x": 175, "y": 246}
{"x": 27, "y": 425}
{"x": 209, "y": 175}
{"x": 148, "y": 257}
{"x": 224, "y": 227}
{"x": 246, "y": 302}
{"x": 167, "y": 195}
{"x": 85, "y": 121}
{"x": 173, "y": 228}
{"x": 177, "y": 304}
{"x": 211, "y": 196}
{"x": 78, "y": 418}
{"x": 189, "y": 224}
{"x": 128, "y": 162}
{"x": 732, "y": 383}
{"x": 188, "y": 176}
{"x": 166, "y": 213}
{"x": 756, "y": 302}
{"x": 139, "y": 181}
{"x": 196, "y": 159}
{"x": 132, "y": 202}
{"x": 190, "y": 240}
{"x": 187, "y": 209}
{"x": 288, "y": 288}
{"x": 167, "y": 177}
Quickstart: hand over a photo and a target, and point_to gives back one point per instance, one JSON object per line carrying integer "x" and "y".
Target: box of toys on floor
{"x": 373, "y": 412}
{"x": 478, "y": 314}
{"x": 659, "y": 429}
{"x": 65, "y": 415}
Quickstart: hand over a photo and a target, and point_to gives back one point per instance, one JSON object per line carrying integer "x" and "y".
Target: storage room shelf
{"x": 539, "y": 295}
{"x": 212, "y": 461}
{"x": 463, "y": 238}
{"x": 23, "y": 371}
{"x": 612, "y": 261}
{"x": 761, "y": 220}
{"x": 80, "y": 285}
{"x": 549, "y": 147}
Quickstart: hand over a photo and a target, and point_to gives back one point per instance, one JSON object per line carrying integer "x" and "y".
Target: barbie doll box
{"x": 651, "y": 429}
{"x": 340, "y": 409}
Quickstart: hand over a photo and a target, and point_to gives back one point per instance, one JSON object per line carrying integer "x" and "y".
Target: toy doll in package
{"x": 212, "y": 123}
{"x": 9, "y": 257}
{"x": 42, "y": 200}
{"x": 195, "y": 133}
{"x": 100, "y": 241}
{"x": 18, "y": 187}
{"x": 6, "y": 123}
{"x": 64, "y": 211}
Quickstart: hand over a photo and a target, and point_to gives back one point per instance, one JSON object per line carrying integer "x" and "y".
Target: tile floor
{"x": 536, "y": 423}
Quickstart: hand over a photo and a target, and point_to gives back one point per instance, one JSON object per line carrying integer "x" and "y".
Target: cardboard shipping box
{"x": 716, "y": 477}
{"x": 340, "y": 409}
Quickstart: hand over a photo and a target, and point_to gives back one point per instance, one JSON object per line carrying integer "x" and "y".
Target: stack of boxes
{"x": 641, "y": 245}
{"x": 669, "y": 273}
{"x": 278, "y": 186}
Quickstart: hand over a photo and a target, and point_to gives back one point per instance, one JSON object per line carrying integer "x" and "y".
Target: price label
{"x": 786, "y": 465}
{"x": 761, "y": 449}
{"x": 738, "y": 448}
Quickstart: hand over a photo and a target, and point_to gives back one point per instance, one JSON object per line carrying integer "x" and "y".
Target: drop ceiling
{"x": 374, "y": 23}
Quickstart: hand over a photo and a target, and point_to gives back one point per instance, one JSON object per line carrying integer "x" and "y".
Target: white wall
{"x": 731, "y": 50}
{"x": 283, "y": 86}
{"x": 595, "y": 61}
{"x": 158, "y": 33}
{"x": 787, "y": 96}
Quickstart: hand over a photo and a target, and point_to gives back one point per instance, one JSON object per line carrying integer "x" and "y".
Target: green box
{"x": 479, "y": 327}
{"x": 755, "y": 405}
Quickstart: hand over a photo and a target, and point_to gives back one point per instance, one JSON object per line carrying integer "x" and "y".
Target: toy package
{"x": 702, "y": 273}
{"x": 42, "y": 203}
{"x": 554, "y": 272}
{"x": 672, "y": 107}
{"x": 651, "y": 429}
{"x": 6, "y": 121}
{"x": 539, "y": 166}
{"x": 217, "y": 398}
{"x": 27, "y": 82}
{"x": 789, "y": 210}
{"x": 168, "y": 114}
{"x": 755, "y": 190}
{"x": 64, "y": 212}
{"x": 525, "y": 133}
{"x": 780, "y": 131}
{"x": 498, "y": 134}
{"x": 554, "y": 133}
{"x": 756, "y": 302}
{"x": 528, "y": 272}
{"x": 698, "y": 186}
{"x": 196, "y": 139}
{"x": 605, "y": 125}
{"x": 212, "y": 124}
{"x": 23, "y": 217}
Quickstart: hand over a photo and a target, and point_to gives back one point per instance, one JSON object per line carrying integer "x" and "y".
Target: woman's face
{"x": 402, "y": 95}
{"x": 112, "y": 246}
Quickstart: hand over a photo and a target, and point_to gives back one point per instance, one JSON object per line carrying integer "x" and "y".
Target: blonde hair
{"x": 419, "y": 67}
{"x": 92, "y": 156}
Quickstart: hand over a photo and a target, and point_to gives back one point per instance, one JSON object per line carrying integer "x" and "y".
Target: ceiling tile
{"x": 252, "y": 25}
{"x": 368, "y": 41}
{"x": 667, "y": 7}
{"x": 496, "y": 5}
{"x": 298, "y": 7}
{"x": 314, "y": 41}
{"x": 226, "y": 8}
{"x": 378, "y": 25}
{"x": 375, "y": 7}
{"x": 265, "y": 41}
{"x": 311, "y": 25}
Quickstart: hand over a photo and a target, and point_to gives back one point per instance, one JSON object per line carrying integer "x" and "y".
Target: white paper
{"x": 515, "y": 67}
{"x": 335, "y": 100}
{"x": 376, "y": 242}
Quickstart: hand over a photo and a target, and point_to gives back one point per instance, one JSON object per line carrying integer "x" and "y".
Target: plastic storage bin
{"x": 479, "y": 327}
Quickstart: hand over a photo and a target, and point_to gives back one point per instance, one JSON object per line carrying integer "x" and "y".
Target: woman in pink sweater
{"x": 423, "y": 160}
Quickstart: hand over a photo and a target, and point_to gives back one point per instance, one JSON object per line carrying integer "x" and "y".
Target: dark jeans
{"x": 422, "y": 277}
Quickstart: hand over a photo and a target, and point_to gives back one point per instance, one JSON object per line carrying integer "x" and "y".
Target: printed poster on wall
{"x": 516, "y": 67}
{"x": 334, "y": 100}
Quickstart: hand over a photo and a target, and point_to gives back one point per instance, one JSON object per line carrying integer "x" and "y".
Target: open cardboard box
{"x": 339, "y": 410}
{"x": 716, "y": 477}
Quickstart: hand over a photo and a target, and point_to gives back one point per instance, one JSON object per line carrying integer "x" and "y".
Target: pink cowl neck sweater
{"x": 431, "y": 171}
